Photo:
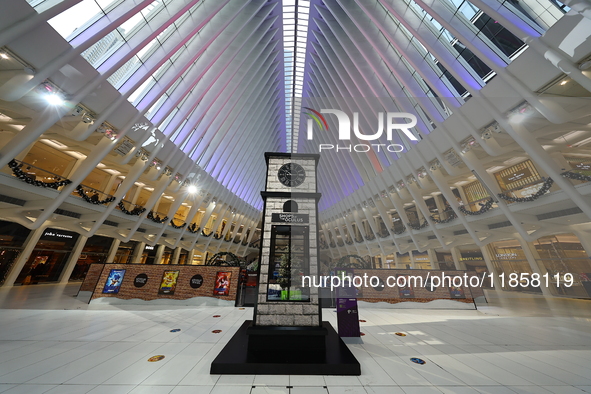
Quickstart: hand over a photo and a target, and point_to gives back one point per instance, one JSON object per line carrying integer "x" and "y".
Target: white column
{"x": 412, "y": 260}
{"x": 22, "y": 258}
{"x": 72, "y": 260}
{"x": 159, "y": 253}
{"x": 457, "y": 256}
{"x": 433, "y": 259}
{"x": 190, "y": 257}
{"x": 175, "y": 256}
{"x": 136, "y": 257}
{"x": 491, "y": 268}
{"x": 113, "y": 251}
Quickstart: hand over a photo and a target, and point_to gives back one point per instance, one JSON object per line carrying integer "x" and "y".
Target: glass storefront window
{"x": 95, "y": 250}
{"x": 563, "y": 254}
{"x": 403, "y": 261}
{"x": 521, "y": 180}
{"x": 49, "y": 257}
{"x": 289, "y": 261}
{"x": 508, "y": 257}
{"x": 422, "y": 261}
{"x": 125, "y": 252}
{"x": 12, "y": 238}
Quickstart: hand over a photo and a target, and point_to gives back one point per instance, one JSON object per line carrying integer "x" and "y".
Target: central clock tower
{"x": 287, "y": 335}
{"x": 289, "y": 249}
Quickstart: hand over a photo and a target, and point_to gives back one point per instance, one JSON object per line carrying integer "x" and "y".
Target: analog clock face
{"x": 291, "y": 174}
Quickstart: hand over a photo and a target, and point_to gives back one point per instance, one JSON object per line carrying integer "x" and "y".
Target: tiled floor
{"x": 52, "y": 343}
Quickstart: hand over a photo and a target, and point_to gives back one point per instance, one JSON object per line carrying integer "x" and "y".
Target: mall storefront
{"x": 46, "y": 262}
{"x": 12, "y": 239}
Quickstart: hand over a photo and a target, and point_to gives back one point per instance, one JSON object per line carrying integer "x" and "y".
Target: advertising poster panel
{"x": 113, "y": 283}
{"x": 222, "y": 283}
{"x": 168, "y": 284}
{"x": 406, "y": 291}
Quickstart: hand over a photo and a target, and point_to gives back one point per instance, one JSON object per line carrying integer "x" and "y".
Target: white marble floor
{"x": 52, "y": 343}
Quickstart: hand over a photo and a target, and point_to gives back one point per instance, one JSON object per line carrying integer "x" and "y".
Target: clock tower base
{"x": 286, "y": 351}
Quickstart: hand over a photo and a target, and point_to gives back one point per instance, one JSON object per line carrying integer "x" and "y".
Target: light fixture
{"x": 486, "y": 135}
{"x": 54, "y": 99}
{"x": 192, "y": 189}
{"x": 585, "y": 65}
{"x": 563, "y": 82}
{"x": 3, "y": 55}
{"x": 521, "y": 112}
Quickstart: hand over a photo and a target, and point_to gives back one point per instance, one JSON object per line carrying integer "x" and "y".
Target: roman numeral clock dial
{"x": 291, "y": 174}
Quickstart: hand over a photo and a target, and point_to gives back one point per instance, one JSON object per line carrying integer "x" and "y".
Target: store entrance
{"x": 48, "y": 258}
{"x": 44, "y": 265}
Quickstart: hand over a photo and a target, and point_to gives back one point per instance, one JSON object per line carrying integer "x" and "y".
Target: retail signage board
{"x": 290, "y": 218}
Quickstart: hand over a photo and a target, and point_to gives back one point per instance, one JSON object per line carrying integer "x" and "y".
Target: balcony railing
{"x": 130, "y": 209}
{"x": 37, "y": 176}
{"x": 92, "y": 196}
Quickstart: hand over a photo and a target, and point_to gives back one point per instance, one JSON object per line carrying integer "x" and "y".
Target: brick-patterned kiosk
{"x": 287, "y": 335}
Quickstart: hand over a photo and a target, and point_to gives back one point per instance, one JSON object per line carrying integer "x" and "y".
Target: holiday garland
{"x": 452, "y": 215}
{"x": 137, "y": 211}
{"x": 193, "y": 229}
{"x": 206, "y": 235}
{"x": 398, "y": 232}
{"x": 484, "y": 208}
{"x": 177, "y": 227}
{"x": 576, "y": 176}
{"x": 23, "y": 176}
{"x": 156, "y": 219}
{"x": 543, "y": 190}
{"x": 93, "y": 200}
{"x": 370, "y": 237}
{"x": 384, "y": 234}
{"x": 419, "y": 227}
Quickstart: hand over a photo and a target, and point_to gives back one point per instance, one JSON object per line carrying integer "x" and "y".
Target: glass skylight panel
{"x": 76, "y": 19}
{"x": 295, "y": 29}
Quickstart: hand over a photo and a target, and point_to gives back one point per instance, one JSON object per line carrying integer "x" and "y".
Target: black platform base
{"x": 236, "y": 359}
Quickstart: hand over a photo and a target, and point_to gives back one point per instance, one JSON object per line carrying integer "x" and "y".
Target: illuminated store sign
{"x": 516, "y": 176}
{"x": 57, "y": 235}
{"x": 506, "y": 256}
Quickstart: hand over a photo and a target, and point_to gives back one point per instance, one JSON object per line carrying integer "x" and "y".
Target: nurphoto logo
{"x": 389, "y": 121}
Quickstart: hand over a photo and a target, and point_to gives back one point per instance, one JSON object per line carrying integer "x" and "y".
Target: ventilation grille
{"x": 432, "y": 237}
{"x": 461, "y": 232}
{"x": 499, "y": 225}
{"x": 141, "y": 230}
{"x": 71, "y": 214}
{"x": 110, "y": 223}
{"x": 12, "y": 200}
{"x": 557, "y": 214}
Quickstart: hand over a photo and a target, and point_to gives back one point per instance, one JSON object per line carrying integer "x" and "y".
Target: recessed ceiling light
{"x": 54, "y": 99}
